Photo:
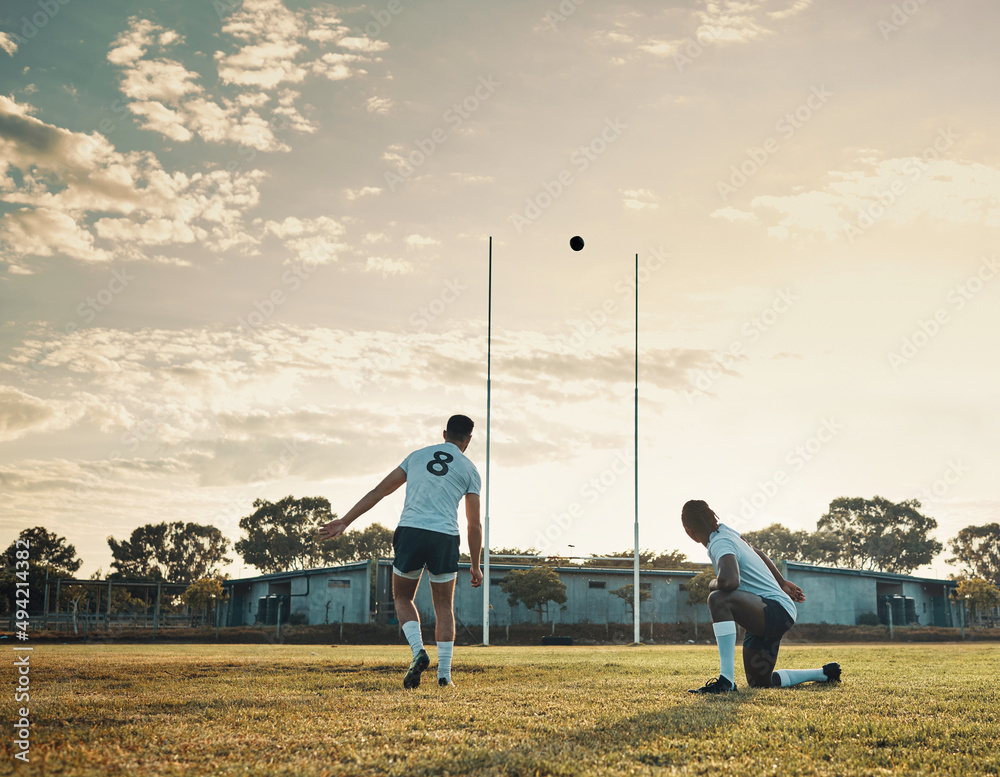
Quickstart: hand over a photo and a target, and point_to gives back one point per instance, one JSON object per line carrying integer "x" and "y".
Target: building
{"x": 349, "y": 594}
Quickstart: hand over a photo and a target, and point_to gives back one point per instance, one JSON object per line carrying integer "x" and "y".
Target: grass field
{"x": 319, "y": 710}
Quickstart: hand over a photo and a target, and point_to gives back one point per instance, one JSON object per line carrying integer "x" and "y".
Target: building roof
{"x": 893, "y": 576}
{"x": 276, "y": 576}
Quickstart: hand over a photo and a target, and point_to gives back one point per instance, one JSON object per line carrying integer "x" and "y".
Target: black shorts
{"x": 777, "y": 621}
{"x": 417, "y": 548}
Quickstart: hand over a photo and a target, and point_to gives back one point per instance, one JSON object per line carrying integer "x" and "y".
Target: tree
{"x": 697, "y": 591}
{"x": 697, "y": 587}
{"x": 280, "y": 535}
{"x": 981, "y": 594}
{"x": 202, "y": 595}
{"x": 44, "y": 548}
{"x": 627, "y": 594}
{"x": 782, "y": 544}
{"x": 48, "y": 555}
{"x": 977, "y": 548}
{"x": 881, "y": 535}
{"x": 178, "y": 552}
{"x": 534, "y": 587}
{"x": 530, "y": 557}
{"x": 374, "y": 541}
{"x": 650, "y": 559}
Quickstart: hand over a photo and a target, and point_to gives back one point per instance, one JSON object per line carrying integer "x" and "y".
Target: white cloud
{"x": 159, "y": 79}
{"x": 365, "y": 191}
{"x": 639, "y": 199}
{"x": 419, "y": 241}
{"x": 901, "y": 190}
{"x": 379, "y": 105}
{"x": 734, "y": 214}
{"x": 388, "y": 266}
{"x": 311, "y": 241}
{"x": 44, "y": 232}
{"x": 8, "y": 44}
{"x": 22, "y": 414}
{"x": 66, "y": 175}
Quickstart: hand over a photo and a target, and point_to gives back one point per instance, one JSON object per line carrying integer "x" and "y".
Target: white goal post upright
{"x": 486, "y": 530}
{"x": 636, "y": 591}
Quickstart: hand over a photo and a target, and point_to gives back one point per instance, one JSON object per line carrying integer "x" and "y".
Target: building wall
{"x": 833, "y": 598}
{"x": 324, "y": 596}
{"x": 586, "y": 601}
{"x": 342, "y": 593}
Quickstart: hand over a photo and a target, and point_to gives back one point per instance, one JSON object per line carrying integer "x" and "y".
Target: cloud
{"x": 639, "y": 199}
{"x": 312, "y": 241}
{"x": 45, "y": 232}
{"x": 388, "y": 266}
{"x": 274, "y": 49}
{"x": 271, "y": 50}
{"x": 896, "y": 191}
{"x": 715, "y": 22}
{"x": 22, "y": 414}
{"x": 8, "y": 44}
{"x": 65, "y": 176}
{"x": 354, "y": 194}
{"x": 419, "y": 241}
{"x": 379, "y": 105}
{"x": 734, "y": 214}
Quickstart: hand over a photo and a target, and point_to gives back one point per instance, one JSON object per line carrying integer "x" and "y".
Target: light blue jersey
{"x": 755, "y": 577}
{"x": 437, "y": 477}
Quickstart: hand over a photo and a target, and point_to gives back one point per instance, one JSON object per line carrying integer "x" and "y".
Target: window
{"x": 339, "y": 583}
{"x": 645, "y": 586}
{"x": 597, "y": 584}
{"x": 496, "y": 580}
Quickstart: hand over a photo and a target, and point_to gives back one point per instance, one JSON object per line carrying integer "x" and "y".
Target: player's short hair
{"x": 697, "y": 513}
{"x": 459, "y": 427}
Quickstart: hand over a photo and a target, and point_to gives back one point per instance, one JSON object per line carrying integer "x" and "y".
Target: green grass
{"x": 317, "y": 710}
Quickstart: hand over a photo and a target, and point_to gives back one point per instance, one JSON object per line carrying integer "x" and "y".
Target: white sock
{"x": 444, "y": 658}
{"x": 725, "y": 638}
{"x": 411, "y": 630}
{"x": 791, "y": 677}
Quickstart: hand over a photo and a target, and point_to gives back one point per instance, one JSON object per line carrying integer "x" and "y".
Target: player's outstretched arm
{"x": 475, "y": 537}
{"x": 390, "y": 483}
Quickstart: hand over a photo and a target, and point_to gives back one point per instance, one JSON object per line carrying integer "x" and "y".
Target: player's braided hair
{"x": 697, "y": 513}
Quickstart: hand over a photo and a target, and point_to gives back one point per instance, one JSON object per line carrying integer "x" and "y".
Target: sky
{"x": 245, "y": 253}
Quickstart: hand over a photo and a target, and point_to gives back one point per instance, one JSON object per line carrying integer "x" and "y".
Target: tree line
{"x": 858, "y": 533}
